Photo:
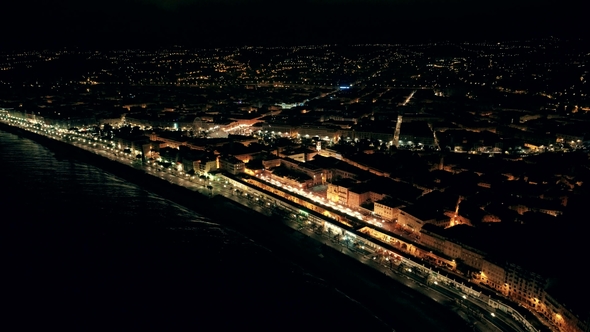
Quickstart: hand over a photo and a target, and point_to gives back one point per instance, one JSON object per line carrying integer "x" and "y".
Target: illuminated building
{"x": 519, "y": 284}
{"x": 231, "y": 164}
{"x": 338, "y": 191}
{"x": 317, "y": 174}
{"x": 209, "y": 165}
{"x": 387, "y": 209}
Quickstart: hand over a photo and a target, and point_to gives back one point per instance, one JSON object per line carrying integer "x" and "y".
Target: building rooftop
{"x": 307, "y": 166}
{"x": 333, "y": 163}
{"x": 423, "y": 213}
{"x": 390, "y": 202}
{"x": 347, "y": 183}
{"x": 230, "y": 159}
{"x": 399, "y": 190}
{"x": 291, "y": 174}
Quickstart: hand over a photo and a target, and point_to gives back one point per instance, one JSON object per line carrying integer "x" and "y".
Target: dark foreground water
{"x": 85, "y": 250}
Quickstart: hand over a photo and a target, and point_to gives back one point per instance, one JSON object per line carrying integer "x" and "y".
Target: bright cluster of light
{"x": 321, "y": 200}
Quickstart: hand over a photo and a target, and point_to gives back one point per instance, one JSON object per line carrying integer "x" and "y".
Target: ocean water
{"x": 86, "y": 250}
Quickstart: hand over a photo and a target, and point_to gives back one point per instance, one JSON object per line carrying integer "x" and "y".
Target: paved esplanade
{"x": 470, "y": 304}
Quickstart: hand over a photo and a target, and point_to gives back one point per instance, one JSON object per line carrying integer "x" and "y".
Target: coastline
{"x": 382, "y": 296}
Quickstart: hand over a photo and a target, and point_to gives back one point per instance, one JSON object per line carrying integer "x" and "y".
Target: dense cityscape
{"x": 463, "y": 164}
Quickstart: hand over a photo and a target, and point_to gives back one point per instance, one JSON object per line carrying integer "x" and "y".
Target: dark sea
{"x": 86, "y": 250}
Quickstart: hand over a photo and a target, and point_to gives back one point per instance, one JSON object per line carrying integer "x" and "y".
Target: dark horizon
{"x": 126, "y": 23}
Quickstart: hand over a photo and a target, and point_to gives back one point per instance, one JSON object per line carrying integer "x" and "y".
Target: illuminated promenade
{"x": 348, "y": 232}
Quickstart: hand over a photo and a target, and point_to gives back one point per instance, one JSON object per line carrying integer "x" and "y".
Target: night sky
{"x": 36, "y": 23}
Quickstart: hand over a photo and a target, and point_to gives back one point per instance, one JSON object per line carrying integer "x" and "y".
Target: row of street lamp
{"x": 58, "y": 133}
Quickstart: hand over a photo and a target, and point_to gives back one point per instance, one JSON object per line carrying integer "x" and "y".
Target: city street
{"x": 436, "y": 292}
